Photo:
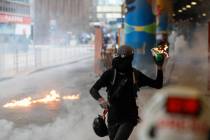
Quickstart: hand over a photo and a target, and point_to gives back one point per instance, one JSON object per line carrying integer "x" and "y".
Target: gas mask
{"x": 122, "y": 64}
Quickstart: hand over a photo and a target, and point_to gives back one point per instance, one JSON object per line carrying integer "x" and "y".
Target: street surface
{"x": 61, "y": 120}
{"x": 72, "y": 119}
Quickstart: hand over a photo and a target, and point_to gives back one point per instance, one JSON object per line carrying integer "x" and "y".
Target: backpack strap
{"x": 134, "y": 78}
{"x": 135, "y": 82}
{"x": 115, "y": 73}
{"x": 114, "y": 77}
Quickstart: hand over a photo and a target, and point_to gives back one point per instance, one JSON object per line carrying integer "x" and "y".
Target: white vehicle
{"x": 176, "y": 113}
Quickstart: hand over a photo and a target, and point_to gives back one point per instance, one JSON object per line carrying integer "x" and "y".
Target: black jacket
{"x": 123, "y": 103}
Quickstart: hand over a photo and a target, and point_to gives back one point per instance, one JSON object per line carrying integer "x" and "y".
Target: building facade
{"x": 15, "y": 19}
{"x": 60, "y": 17}
{"x": 108, "y": 10}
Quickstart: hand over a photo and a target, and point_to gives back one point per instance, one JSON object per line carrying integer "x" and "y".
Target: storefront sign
{"x": 9, "y": 18}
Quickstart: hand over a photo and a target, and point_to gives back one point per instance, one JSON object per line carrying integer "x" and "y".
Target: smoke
{"x": 71, "y": 120}
{"x": 76, "y": 125}
{"x": 190, "y": 58}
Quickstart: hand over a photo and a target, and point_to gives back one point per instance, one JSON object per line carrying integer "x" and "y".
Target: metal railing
{"x": 37, "y": 57}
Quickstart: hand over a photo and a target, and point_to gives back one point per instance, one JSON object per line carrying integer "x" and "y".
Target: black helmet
{"x": 125, "y": 51}
{"x": 99, "y": 126}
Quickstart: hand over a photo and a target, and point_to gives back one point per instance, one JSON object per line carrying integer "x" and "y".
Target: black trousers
{"x": 120, "y": 131}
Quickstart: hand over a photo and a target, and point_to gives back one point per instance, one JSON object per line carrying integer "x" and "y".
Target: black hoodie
{"x": 124, "y": 108}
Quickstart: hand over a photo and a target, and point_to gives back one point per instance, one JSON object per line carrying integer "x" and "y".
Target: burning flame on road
{"x": 73, "y": 97}
{"x": 22, "y": 103}
{"x": 53, "y": 96}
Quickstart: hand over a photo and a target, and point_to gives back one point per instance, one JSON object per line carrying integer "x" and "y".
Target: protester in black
{"x": 122, "y": 83}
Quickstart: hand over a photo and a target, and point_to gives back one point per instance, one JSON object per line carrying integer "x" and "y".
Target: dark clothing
{"x": 122, "y": 83}
{"x": 124, "y": 107}
{"x": 120, "y": 131}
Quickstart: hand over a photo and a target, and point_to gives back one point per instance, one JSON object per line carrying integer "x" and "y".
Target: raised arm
{"x": 155, "y": 83}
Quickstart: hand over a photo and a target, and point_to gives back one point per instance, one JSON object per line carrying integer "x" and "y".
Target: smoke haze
{"x": 68, "y": 120}
{"x": 190, "y": 59}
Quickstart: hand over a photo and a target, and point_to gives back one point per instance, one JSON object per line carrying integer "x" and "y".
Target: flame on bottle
{"x": 162, "y": 49}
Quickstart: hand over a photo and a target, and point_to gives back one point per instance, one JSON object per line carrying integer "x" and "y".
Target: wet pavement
{"x": 73, "y": 116}
{"x": 68, "y": 119}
